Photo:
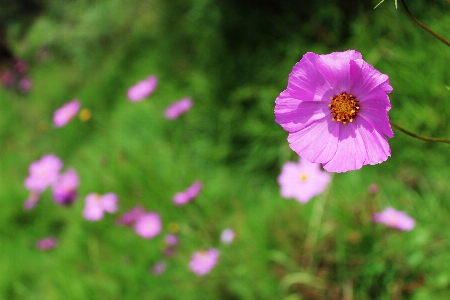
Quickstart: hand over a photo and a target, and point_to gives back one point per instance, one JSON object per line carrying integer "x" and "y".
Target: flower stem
{"x": 420, "y": 137}
{"x": 424, "y": 26}
{"x": 313, "y": 230}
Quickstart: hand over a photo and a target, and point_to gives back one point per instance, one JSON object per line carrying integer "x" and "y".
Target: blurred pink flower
{"x": 158, "y": 268}
{"x": 335, "y": 109}
{"x": 188, "y": 194}
{"x": 7, "y": 78}
{"x": 178, "y": 108}
{"x": 373, "y": 188}
{"x": 142, "y": 89}
{"x": 25, "y": 84}
{"x": 129, "y": 217}
{"x": 227, "y": 236}
{"x": 202, "y": 262}
{"x": 395, "y": 219}
{"x": 96, "y": 205}
{"x": 302, "y": 180}
{"x": 20, "y": 67}
{"x": 43, "y": 173}
{"x": 47, "y": 243}
{"x": 65, "y": 188}
{"x": 148, "y": 225}
{"x": 63, "y": 115}
{"x": 31, "y": 201}
{"x": 171, "y": 239}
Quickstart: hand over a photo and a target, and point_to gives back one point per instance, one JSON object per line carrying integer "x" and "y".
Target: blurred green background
{"x": 233, "y": 58}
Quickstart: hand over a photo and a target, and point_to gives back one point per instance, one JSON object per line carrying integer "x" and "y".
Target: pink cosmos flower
{"x": 395, "y": 219}
{"x": 188, "y": 194}
{"x": 178, "y": 108}
{"x": 65, "y": 188}
{"x": 335, "y": 110}
{"x": 47, "y": 243}
{"x": 202, "y": 262}
{"x": 142, "y": 89}
{"x": 20, "y": 67}
{"x": 25, "y": 84}
{"x": 7, "y": 78}
{"x": 96, "y": 205}
{"x": 63, "y": 115}
{"x": 43, "y": 173}
{"x": 148, "y": 225}
{"x": 128, "y": 218}
{"x": 227, "y": 236}
{"x": 171, "y": 239}
{"x": 302, "y": 180}
{"x": 158, "y": 268}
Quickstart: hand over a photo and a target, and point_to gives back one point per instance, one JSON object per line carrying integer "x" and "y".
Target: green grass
{"x": 231, "y": 143}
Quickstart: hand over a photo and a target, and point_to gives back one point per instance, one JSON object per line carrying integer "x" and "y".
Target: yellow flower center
{"x": 85, "y": 115}
{"x": 174, "y": 227}
{"x": 343, "y": 107}
{"x": 303, "y": 177}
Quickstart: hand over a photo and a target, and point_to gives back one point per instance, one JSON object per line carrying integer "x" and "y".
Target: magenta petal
{"x": 378, "y": 118}
{"x": 305, "y": 80}
{"x": 67, "y": 112}
{"x": 349, "y": 154}
{"x": 317, "y": 143}
{"x": 335, "y": 68}
{"x": 364, "y": 79}
{"x": 294, "y": 119}
{"x": 178, "y": 108}
{"x": 377, "y": 147}
{"x": 395, "y": 219}
{"x": 109, "y": 202}
{"x": 142, "y": 89}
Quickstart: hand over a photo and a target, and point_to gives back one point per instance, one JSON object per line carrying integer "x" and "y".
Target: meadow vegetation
{"x": 233, "y": 60}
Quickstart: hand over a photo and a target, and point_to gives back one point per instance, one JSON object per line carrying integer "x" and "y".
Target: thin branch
{"x": 425, "y": 26}
{"x": 420, "y": 137}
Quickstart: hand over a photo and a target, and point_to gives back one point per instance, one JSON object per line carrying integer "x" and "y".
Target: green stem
{"x": 420, "y": 137}
{"x": 424, "y": 26}
{"x": 313, "y": 229}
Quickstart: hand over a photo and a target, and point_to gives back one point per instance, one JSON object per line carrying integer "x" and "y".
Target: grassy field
{"x": 233, "y": 60}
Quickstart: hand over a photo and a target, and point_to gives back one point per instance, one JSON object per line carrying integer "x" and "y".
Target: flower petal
{"x": 376, "y": 115}
{"x": 377, "y": 147}
{"x": 364, "y": 79}
{"x": 350, "y": 152}
{"x": 335, "y": 68}
{"x": 317, "y": 142}
{"x": 293, "y": 115}
{"x": 305, "y": 82}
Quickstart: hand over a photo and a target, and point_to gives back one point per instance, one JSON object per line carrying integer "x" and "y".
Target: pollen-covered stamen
{"x": 344, "y": 107}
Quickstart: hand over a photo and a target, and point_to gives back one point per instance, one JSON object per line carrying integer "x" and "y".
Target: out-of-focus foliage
{"x": 233, "y": 58}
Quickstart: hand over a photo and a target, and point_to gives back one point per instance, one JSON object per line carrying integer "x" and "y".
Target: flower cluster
{"x": 145, "y": 224}
{"x": 14, "y": 75}
{"x": 46, "y": 173}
